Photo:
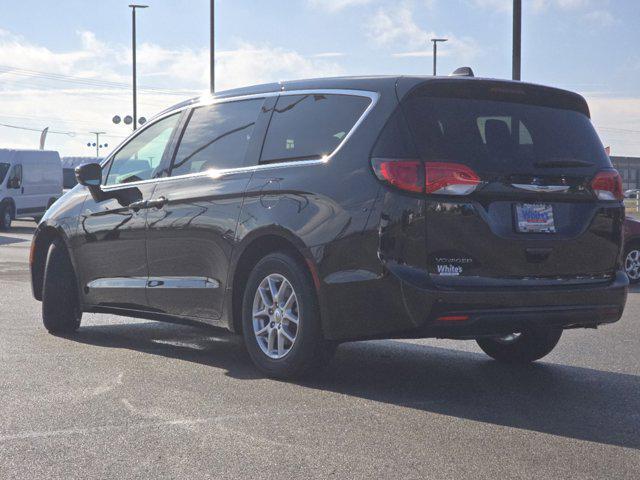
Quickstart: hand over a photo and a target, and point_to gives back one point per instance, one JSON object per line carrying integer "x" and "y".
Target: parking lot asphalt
{"x": 127, "y": 398}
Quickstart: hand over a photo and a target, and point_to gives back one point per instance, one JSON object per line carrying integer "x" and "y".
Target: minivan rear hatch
{"x": 536, "y": 197}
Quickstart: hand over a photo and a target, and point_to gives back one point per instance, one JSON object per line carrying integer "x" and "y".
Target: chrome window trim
{"x": 373, "y": 96}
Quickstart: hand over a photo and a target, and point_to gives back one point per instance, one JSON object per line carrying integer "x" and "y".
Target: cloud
{"x": 77, "y": 92}
{"x": 537, "y": 5}
{"x": 397, "y": 28}
{"x": 334, "y": 6}
{"x": 497, "y": 5}
{"x": 329, "y": 55}
{"x": 389, "y": 26}
{"x": 592, "y": 8}
{"x": 601, "y": 17}
{"x": 617, "y": 120}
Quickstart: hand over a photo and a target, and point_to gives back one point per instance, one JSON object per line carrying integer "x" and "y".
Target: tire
{"x": 524, "y": 347}
{"x": 60, "y": 304}
{"x": 264, "y": 332}
{"x": 632, "y": 262}
{"x": 6, "y": 216}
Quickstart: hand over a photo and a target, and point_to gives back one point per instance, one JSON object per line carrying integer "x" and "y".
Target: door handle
{"x": 157, "y": 203}
{"x": 135, "y": 206}
{"x": 145, "y": 204}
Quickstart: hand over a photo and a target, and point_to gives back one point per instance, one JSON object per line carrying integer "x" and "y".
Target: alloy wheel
{"x": 276, "y": 317}
{"x": 632, "y": 264}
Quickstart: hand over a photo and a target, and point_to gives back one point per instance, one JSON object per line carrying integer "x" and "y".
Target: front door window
{"x": 141, "y": 158}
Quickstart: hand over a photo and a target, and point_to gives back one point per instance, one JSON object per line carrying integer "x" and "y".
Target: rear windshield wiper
{"x": 562, "y": 162}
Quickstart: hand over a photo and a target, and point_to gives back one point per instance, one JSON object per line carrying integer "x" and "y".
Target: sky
{"x": 66, "y": 64}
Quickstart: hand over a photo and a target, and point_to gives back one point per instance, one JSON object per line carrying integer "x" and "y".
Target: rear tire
{"x": 303, "y": 348}
{"x": 632, "y": 261}
{"x": 60, "y": 304}
{"x": 525, "y": 347}
{"x": 6, "y": 216}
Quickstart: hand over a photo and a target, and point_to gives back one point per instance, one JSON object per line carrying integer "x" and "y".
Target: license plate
{"x": 535, "y": 218}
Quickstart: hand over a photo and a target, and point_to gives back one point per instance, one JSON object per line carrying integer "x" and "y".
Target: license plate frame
{"x": 534, "y": 218}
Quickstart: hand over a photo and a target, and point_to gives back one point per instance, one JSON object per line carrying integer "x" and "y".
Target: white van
{"x": 30, "y": 181}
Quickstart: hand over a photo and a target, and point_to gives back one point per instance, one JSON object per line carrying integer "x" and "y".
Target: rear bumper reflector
{"x": 453, "y": 318}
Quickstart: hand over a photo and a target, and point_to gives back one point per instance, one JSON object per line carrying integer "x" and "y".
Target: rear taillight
{"x": 403, "y": 174}
{"x": 607, "y": 185}
{"x": 437, "y": 178}
{"x": 450, "y": 179}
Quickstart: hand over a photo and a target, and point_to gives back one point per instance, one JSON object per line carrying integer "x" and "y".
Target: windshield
{"x": 498, "y": 137}
{"x": 4, "y": 168}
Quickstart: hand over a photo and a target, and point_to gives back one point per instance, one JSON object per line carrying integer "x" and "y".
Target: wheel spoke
{"x": 286, "y": 335}
{"x": 273, "y": 289}
{"x": 281, "y": 290}
{"x": 271, "y": 340}
{"x": 262, "y": 313}
{"x": 289, "y": 302}
{"x": 264, "y": 330}
{"x": 289, "y": 315}
{"x": 265, "y": 300}
{"x": 280, "y": 343}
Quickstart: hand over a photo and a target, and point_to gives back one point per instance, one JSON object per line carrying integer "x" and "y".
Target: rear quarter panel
{"x": 324, "y": 208}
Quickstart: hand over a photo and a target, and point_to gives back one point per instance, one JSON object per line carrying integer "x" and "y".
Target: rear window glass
{"x": 495, "y": 136}
{"x": 310, "y": 126}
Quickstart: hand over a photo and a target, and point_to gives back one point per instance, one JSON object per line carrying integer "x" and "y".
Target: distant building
{"x": 629, "y": 168}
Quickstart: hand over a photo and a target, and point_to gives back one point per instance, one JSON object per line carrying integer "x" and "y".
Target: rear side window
{"x": 310, "y": 126}
{"x": 494, "y": 136}
{"x": 217, "y": 137}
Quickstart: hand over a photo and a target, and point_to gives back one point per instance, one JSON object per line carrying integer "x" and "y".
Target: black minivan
{"x": 308, "y": 213}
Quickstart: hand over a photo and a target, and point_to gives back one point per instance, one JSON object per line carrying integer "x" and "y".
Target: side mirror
{"x": 89, "y": 174}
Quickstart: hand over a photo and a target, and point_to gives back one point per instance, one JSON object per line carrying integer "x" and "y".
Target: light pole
{"x": 212, "y": 48}
{"x": 435, "y": 51}
{"x": 517, "y": 39}
{"x": 135, "y": 81}
{"x": 97, "y": 144}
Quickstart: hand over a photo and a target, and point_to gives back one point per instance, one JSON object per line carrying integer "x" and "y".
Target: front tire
{"x": 6, "y": 216}
{"x": 281, "y": 319}
{"x": 60, "y": 304}
{"x": 523, "y": 347}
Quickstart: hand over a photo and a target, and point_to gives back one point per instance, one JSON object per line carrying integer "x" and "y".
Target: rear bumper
{"x": 473, "y": 313}
{"x": 404, "y": 303}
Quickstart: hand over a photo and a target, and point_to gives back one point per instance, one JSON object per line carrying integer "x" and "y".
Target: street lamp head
{"x": 434, "y": 40}
{"x": 133, "y": 5}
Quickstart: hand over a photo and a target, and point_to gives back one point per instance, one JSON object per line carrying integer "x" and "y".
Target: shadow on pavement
{"x": 573, "y": 402}
{"x": 9, "y": 240}
{"x": 21, "y": 229}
